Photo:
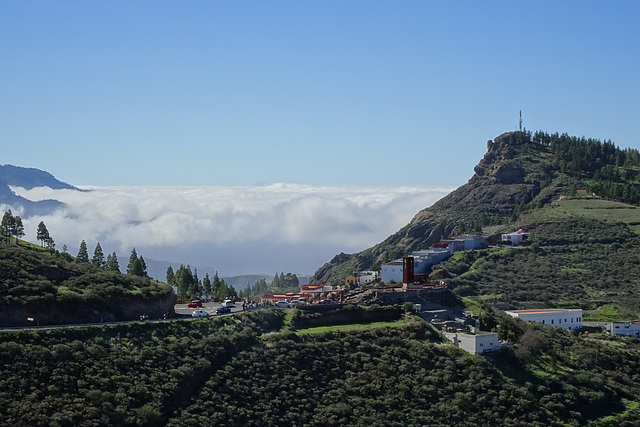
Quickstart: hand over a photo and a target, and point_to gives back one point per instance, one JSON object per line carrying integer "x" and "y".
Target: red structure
{"x": 407, "y": 270}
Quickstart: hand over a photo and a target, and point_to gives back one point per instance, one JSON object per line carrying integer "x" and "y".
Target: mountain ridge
{"x": 29, "y": 178}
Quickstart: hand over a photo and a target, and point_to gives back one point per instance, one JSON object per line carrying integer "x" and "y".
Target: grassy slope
{"x": 584, "y": 253}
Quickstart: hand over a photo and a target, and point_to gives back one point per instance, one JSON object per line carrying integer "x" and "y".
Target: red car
{"x": 195, "y": 303}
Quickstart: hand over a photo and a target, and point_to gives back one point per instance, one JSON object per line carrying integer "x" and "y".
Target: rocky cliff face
{"x": 512, "y": 172}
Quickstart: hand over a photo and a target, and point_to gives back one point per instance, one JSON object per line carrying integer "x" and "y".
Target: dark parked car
{"x": 223, "y": 310}
{"x": 195, "y": 303}
{"x": 327, "y": 301}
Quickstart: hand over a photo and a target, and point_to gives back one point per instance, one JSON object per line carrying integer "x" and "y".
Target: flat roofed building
{"x": 478, "y": 343}
{"x": 631, "y": 329}
{"x": 391, "y": 272}
{"x": 565, "y": 318}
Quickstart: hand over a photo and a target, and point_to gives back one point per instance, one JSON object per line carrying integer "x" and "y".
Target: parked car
{"x": 283, "y": 304}
{"x": 228, "y": 303}
{"x": 327, "y": 301}
{"x": 195, "y": 303}
{"x": 297, "y": 302}
{"x": 200, "y": 313}
{"x": 223, "y": 310}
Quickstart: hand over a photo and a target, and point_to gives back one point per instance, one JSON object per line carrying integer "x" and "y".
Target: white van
{"x": 228, "y": 303}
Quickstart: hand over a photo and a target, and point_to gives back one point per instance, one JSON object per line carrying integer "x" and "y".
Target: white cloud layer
{"x": 239, "y": 230}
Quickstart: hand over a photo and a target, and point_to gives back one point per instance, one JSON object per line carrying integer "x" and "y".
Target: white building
{"x": 391, "y": 272}
{"x": 631, "y": 329}
{"x": 568, "y": 318}
{"x": 478, "y": 343}
{"x": 471, "y": 241}
{"x": 365, "y": 277}
{"x": 516, "y": 237}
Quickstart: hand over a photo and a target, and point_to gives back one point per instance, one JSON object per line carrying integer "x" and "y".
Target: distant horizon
{"x": 235, "y": 230}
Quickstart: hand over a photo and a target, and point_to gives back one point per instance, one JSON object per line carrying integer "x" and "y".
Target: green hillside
{"x": 583, "y": 253}
{"x": 252, "y": 370}
{"x": 52, "y": 289}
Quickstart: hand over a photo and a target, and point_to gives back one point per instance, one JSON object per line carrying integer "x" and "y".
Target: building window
{"x": 543, "y": 321}
{"x": 559, "y": 321}
{"x": 552, "y": 321}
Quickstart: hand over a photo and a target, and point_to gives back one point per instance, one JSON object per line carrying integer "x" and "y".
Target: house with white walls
{"x": 630, "y": 329}
{"x": 565, "y": 318}
{"x": 516, "y": 237}
{"x": 368, "y": 276}
{"x": 478, "y": 343}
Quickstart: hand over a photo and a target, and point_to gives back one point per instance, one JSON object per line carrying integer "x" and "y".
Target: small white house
{"x": 516, "y": 237}
{"x": 478, "y": 343}
{"x": 631, "y": 329}
{"x": 567, "y": 318}
{"x": 365, "y": 277}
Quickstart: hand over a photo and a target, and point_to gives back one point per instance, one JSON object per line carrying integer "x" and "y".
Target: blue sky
{"x": 363, "y": 93}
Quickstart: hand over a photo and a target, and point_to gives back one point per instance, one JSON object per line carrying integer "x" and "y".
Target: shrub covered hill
{"x": 53, "y": 289}
{"x": 257, "y": 369}
{"x": 518, "y": 184}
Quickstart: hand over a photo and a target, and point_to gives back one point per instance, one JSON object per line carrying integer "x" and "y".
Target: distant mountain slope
{"x": 519, "y": 170}
{"x": 29, "y": 178}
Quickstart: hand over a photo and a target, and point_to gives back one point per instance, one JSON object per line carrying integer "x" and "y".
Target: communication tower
{"x": 520, "y": 122}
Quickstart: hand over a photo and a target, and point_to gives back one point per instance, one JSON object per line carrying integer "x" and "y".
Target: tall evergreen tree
{"x": 18, "y": 228}
{"x": 135, "y": 266}
{"x": 98, "y": 256}
{"x": 83, "y": 255}
{"x": 112, "y": 262}
{"x": 42, "y": 234}
{"x": 206, "y": 285}
{"x": 143, "y": 266}
{"x": 6, "y": 226}
{"x": 170, "y": 276}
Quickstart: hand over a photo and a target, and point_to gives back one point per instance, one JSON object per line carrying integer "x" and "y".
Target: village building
{"x": 425, "y": 258}
{"x": 631, "y": 329}
{"x": 366, "y": 277}
{"x": 478, "y": 343}
{"x": 569, "y": 318}
{"x": 516, "y": 237}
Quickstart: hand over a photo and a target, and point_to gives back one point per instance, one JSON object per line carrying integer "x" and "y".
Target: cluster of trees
{"x": 612, "y": 171}
{"x": 44, "y": 237}
{"x": 136, "y": 266}
{"x": 189, "y": 286}
{"x": 11, "y": 226}
{"x": 281, "y": 283}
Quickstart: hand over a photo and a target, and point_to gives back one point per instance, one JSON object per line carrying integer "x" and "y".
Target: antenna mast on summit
{"x": 520, "y": 122}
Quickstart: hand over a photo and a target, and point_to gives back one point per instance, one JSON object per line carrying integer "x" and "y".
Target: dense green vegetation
{"x": 573, "y": 260}
{"x": 51, "y": 288}
{"x": 238, "y": 370}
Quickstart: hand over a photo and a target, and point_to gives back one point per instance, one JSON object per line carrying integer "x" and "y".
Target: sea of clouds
{"x": 232, "y": 230}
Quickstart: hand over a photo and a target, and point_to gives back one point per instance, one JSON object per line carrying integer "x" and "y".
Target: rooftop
{"x": 544, "y": 310}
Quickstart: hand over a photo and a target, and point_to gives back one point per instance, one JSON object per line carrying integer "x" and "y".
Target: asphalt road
{"x": 182, "y": 312}
{"x": 210, "y": 307}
